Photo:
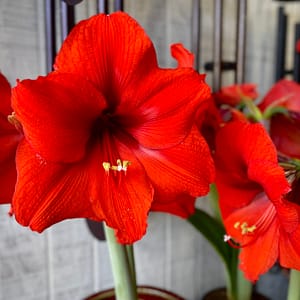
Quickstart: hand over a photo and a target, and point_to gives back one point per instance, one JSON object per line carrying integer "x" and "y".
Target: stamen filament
{"x": 121, "y": 166}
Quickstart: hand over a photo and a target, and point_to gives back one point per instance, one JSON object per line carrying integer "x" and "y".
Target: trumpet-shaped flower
{"x": 9, "y": 139}
{"x": 254, "y": 201}
{"x": 109, "y": 135}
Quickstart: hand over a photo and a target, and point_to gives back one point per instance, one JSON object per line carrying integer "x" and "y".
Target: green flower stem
{"x": 231, "y": 267}
{"x": 244, "y": 286}
{"x": 230, "y": 286}
{"x": 294, "y": 285}
{"x": 130, "y": 255}
{"x": 253, "y": 112}
{"x": 125, "y": 287}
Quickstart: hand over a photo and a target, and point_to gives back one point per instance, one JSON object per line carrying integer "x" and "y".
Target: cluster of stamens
{"x": 121, "y": 166}
{"x": 244, "y": 227}
{"x": 12, "y": 119}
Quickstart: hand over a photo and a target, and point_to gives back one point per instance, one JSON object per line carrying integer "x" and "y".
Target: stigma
{"x": 227, "y": 238}
{"x": 121, "y": 166}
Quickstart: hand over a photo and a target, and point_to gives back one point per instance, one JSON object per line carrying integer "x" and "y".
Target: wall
{"x": 66, "y": 262}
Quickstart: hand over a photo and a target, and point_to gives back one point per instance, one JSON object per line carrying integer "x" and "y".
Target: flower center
{"x": 245, "y": 230}
{"x": 121, "y": 166}
{"x": 251, "y": 232}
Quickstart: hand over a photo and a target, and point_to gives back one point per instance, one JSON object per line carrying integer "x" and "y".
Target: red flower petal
{"x": 168, "y": 99}
{"x": 47, "y": 193}
{"x": 262, "y": 255}
{"x": 181, "y": 205}
{"x": 246, "y": 164}
{"x": 9, "y": 139}
{"x": 289, "y": 249}
{"x": 5, "y": 91}
{"x": 124, "y": 197}
{"x": 285, "y": 133}
{"x": 234, "y": 94}
{"x": 284, "y": 129}
{"x": 184, "y": 57}
{"x": 260, "y": 246}
{"x": 259, "y": 214}
{"x": 112, "y": 51}
{"x": 186, "y": 168}
{"x": 60, "y": 108}
{"x": 284, "y": 93}
{"x": 8, "y": 178}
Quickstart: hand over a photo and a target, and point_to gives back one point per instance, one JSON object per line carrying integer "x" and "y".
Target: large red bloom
{"x": 109, "y": 135}
{"x": 284, "y": 127}
{"x": 252, "y": 190}
{"x": 9, "y": 139}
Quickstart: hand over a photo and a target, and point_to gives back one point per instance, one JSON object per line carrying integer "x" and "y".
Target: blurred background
{"x": 67, "y": 261}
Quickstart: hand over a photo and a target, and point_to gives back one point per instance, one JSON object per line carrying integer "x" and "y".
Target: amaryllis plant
{"x": 255, "y": 197}
{"x": 109, "y": 136}
{"x": 257, "y": 179}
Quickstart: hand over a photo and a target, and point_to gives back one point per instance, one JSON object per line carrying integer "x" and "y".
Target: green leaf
{"x": 214, "y": 232}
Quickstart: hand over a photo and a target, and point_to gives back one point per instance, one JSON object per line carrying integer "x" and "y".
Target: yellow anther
{"x": 236, "y": 225}
{"x": 106, "y": 166}
{"x": 125, "y": 165}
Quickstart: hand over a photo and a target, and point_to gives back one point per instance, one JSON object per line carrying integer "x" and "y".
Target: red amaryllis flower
{"x": 252, "y": 189}
{"x": 9, "y": 139}
{"x": 109, "y": 134}
{"x": 285, "y": 124}
{"x": 234, "y": 94}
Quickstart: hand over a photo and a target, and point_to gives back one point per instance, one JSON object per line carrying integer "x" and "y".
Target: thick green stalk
{"x": 294, "y": 285}
{"x": 230, "y": 285}
{"x": 130, "y": 255}
{"x": 231, "y": 267}
{"x": 244, "y": 286}
{"x": 125, "y": 287}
